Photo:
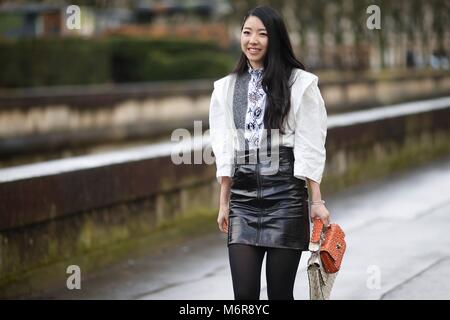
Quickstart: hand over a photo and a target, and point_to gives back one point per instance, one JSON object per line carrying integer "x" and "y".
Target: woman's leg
{"x": 246, "y": 262}
{"x": 281, "y": 270}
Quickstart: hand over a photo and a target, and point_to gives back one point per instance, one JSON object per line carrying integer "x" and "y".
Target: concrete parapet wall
{"x": 35, "y": 120}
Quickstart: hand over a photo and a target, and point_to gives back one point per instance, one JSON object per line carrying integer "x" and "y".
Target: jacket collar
{"x": 254, "y": 72}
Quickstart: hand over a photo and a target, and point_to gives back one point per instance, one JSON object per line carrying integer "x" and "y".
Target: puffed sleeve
{"x": 310, "y": 135}
{"x": 221, "y": 136}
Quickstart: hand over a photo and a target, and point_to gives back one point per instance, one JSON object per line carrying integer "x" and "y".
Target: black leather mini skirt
{"x": 268, "y": 205}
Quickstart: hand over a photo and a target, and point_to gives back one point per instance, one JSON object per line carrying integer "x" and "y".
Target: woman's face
{"x": 254, "y": 41}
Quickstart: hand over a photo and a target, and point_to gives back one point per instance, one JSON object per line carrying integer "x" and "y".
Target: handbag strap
{"x": 317, "y": 231}
{"x": 314, "y": 243}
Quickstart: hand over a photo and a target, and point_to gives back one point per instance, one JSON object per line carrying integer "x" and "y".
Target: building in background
{"x": 328, "y": 34}
{"x": 184, "y": 19}
{"x": 30, "y": 20}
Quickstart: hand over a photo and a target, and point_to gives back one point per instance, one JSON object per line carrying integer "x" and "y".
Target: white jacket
{"x": 306, "y": 131}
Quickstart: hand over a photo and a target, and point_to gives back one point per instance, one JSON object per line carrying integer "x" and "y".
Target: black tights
{"x": 281, "y": 269}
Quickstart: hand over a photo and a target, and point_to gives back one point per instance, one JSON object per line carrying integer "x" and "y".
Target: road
{"x": 398, "y": 247}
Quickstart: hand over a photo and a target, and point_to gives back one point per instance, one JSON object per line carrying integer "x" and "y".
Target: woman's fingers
{"x": 219, "y": 222}
{"x": 223, "y": 224}
{"x": 323, "y": 215}
{"x": 313, "y": 216}
{"x": 326, "y": 220}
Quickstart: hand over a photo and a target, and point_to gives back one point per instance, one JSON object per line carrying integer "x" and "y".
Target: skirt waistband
{"x": 260, "y": 155}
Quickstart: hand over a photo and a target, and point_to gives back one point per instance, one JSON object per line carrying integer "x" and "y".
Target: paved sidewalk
{"x": 398, "y": 240}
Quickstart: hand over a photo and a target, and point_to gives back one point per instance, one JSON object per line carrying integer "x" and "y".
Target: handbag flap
{"x": 334, "y": 243}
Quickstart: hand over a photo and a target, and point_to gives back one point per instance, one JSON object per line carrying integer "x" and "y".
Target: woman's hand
{"x": 318, "y": 209}
{"x": 222, "y": 219}
{"x": 320, "y": 212}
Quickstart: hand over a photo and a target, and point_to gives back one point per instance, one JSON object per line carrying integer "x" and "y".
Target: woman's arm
{"x": 309, "y": 147}
{"x": 318, "y": 209}
{"x": 221, "y": 135}
{"x": 222, "y": 219}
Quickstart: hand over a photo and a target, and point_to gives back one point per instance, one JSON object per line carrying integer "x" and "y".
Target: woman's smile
{"x": 254, "y": 50}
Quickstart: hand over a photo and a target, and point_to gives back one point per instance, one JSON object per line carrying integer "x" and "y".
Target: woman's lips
{"x": 253, "y": 50}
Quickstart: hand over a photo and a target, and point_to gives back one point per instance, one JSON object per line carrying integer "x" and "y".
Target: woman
{"x": 264, "y": 203}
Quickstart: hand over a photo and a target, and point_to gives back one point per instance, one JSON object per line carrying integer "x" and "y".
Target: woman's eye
{"x": 246, "y": 32}
{"x": 263, "y": 34}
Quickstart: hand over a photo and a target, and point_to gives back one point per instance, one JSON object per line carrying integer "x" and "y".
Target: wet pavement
{"x": 398, "y": 247}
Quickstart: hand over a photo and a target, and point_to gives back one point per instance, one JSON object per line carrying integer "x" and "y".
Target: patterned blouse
{"x": 256, "y": 102}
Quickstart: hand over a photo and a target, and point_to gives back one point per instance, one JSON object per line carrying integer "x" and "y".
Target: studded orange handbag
{"x": 327, "y": 246}
{"x": 332, "y": 246}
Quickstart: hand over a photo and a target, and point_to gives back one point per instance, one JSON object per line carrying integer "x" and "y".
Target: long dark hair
{"x": 278, "y": 64}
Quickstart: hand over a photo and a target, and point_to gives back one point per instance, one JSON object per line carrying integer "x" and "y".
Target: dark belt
{"x": 259, "y": 155}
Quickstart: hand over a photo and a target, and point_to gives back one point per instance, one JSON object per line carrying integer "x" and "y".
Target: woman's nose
{"x": 253, "y": 39}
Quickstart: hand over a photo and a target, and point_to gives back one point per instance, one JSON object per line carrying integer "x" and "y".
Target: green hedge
{"x": 41, "y": 62}
{"x": 46, "y": 62}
